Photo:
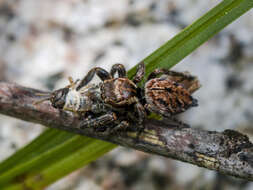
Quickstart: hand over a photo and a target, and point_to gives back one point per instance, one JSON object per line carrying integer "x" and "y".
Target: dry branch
{"x": 228, "y": 152}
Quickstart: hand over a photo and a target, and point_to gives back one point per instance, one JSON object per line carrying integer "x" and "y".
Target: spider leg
{"x": 154, "y": 109}
{"x": 165, "y": 114}
{"x": 99, "y": 121}
{"x": 100, "y": 72}
{"x": 118, "y": 68}
{"x": 140, "y": 71}
{"x": 189, "y": 82}
{"x": 159, "y": 71}
{"x": 122, "y": 126}
{"x": 140, "y": 111}
{"x": 185, "y": 79}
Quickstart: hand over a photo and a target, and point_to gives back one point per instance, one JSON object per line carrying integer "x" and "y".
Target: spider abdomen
{"x": 165, "y": 96}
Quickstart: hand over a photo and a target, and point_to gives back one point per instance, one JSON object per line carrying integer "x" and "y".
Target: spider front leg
{"x": 100, "y": 72}
{"x": 139, "y": 109}
{"x": 99, "y": 121}
{"x": 118, "y": 68}
{"x": 140, "y": 71}
{"x": 100, "y": 124}
{"x": 189, "y": 82}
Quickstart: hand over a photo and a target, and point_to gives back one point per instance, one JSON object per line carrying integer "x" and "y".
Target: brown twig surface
{"x": 228, "y": 152}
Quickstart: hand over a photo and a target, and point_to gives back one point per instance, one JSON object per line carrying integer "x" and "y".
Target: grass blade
{"x": 50, "y": 163}
{"x": 196, "y": 34}
{"x": 41, "y": 144}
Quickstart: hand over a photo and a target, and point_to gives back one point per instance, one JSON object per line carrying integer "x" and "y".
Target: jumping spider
{"x": 167, "y": 95}
{"x": 118, "y": 100}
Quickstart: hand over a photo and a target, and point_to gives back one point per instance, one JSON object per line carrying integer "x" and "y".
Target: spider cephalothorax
{"x": 120, "y": 93}
{"x": 170, "y": 93}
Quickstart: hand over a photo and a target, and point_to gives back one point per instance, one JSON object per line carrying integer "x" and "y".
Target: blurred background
{"x": 44, "y": 42}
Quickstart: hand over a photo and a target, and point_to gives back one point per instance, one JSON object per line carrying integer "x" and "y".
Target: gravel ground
{"x": 44, "y": 42}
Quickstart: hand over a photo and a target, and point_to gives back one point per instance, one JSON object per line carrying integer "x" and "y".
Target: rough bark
{"x": 228, "y": 152}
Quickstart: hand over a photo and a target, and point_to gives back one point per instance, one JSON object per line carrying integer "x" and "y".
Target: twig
{"x": 228, "y": 152}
